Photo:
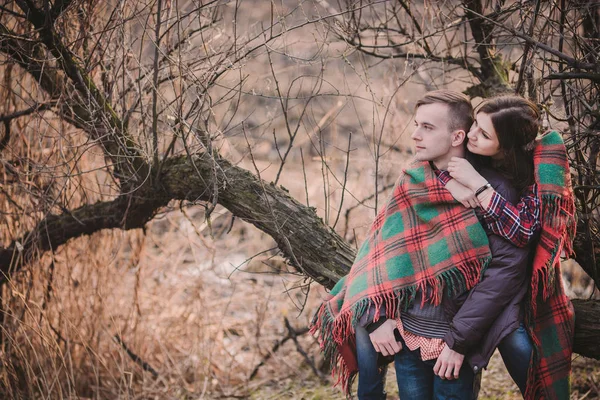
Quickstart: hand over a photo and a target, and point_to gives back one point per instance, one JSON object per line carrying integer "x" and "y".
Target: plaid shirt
{"x": 430, "y": 348}
{"x": 516, "y": 223}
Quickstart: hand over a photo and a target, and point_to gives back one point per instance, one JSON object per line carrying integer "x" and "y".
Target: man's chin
{"x": 421, "y": 157}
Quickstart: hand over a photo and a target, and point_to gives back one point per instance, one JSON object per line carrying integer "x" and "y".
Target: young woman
{"x": 502, "y": 139}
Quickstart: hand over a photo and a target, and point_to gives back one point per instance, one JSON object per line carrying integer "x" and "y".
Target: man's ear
{"x": 458, "y": 138}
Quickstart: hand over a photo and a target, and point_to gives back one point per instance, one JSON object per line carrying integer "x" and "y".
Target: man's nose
{"x": 415, "y": 135}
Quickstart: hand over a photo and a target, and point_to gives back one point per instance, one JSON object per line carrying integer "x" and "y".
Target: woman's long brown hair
{"x": 517, "y": 123}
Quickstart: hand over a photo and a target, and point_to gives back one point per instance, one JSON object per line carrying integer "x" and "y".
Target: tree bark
{"x": 587, "y": 328}
{"x": 493, "y": 74}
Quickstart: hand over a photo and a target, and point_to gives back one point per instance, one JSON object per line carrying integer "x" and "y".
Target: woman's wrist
{"x": 485, "y": 197}
{"x": 482, "y": 188}
{"x": 477, "y": 184}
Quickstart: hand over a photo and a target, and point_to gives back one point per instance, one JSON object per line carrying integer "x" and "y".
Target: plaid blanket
{"x": 550, "y": 316}
{"x": 422, "y": 240}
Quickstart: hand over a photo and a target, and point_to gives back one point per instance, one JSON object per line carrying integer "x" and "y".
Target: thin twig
{"x": 309, "y": 361}
{"x": 137, "y": 359}
{"x": 305, "y": 180}
{"x": 345, "y": 180}
{"x": 292, "y": 334}
{"x": 155, "y": 86}
{"x": 28, "y": 111}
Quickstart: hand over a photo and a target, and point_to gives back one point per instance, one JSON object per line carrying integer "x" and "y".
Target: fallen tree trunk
{"x": 308, "y": 244}
{"x": 587, "y": 328}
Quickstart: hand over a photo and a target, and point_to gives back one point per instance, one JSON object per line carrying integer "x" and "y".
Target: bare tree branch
{"x": 325, "y": 256}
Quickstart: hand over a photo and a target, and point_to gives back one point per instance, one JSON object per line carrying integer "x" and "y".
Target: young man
{"x": 423, "y": 254}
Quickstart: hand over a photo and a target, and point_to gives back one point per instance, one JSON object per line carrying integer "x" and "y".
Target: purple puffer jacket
{"x": 492, "y": 309}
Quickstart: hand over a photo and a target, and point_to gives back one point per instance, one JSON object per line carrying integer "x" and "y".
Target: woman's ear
{"x": 458, "y": 138}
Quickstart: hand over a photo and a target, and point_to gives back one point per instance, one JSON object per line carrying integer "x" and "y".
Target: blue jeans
{"x": 516, "y": 350}
{"x": 415, "y": 377}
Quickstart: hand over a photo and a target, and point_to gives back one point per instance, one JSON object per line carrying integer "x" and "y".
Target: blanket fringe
{"x": 558, "y": 211}
{"x": 534, "y": 386}
{"x": 334, "y": 332}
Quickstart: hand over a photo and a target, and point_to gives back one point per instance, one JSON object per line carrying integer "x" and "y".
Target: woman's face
{"x": 482, "y": 137}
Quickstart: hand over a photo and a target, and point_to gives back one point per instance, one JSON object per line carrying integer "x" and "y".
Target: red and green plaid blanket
{"x": 550, "y": 316}
{"x": 421, "y": 240}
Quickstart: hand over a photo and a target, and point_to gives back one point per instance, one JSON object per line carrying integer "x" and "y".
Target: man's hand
{"x": 462, "y": 170}
{"x": 383, "y": 339}
{"x": 448, "y": 364}
{"x": 462, "y": 194}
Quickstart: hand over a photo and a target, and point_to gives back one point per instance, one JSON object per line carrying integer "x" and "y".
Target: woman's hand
{"x": 462, "y": 194}
{"x": 462, "y": 170}
{"x": 448, "y": 364}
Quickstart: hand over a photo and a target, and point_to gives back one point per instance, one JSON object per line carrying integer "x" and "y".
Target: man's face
{"x": 432, "y": 136}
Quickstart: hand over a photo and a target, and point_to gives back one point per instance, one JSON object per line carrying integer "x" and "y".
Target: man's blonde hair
{"x": 460, "y": 115}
